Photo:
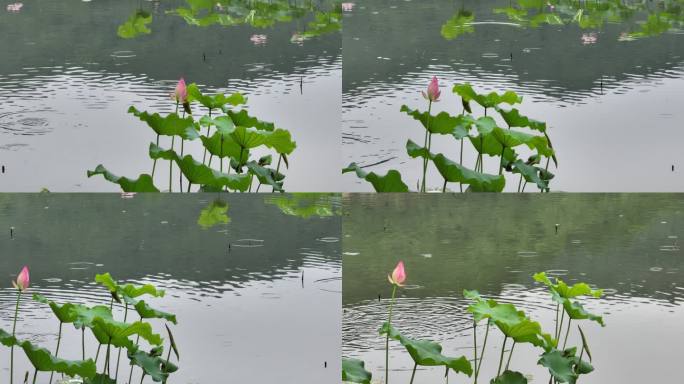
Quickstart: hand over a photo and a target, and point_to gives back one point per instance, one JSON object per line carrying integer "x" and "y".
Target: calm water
{"x": 626, "y": 244}
{"x": 236, "y": 288}
{"x": 67, "y": 81}
{"x": 611, "y": 103}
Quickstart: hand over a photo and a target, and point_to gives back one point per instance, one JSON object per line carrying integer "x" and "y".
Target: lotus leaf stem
{"x": 14, "y": 327}
{"x": 389, "y": 327}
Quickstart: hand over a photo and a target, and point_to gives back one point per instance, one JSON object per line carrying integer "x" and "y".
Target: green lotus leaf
{"x": 156, "y": 152}
{"x": 171, "y": 125}
{"x": 530, "y": 173}
{"x": 353, "y": 371}
{"x": 560, "y": 366}
{"x": 514, "y": 14}
{"x": 216, "y": 101}
{"x": 565, "y": 291}
{"x": 108, "y": 331}
{"x": 490, "y": 100}
{"x": 7, "y": 339}
{"x": 65, "y": 313}
{"x": 229, "y": 147}
{"x": 478, "y": 182}
{"x": 198, "y": 173}
{"x": 442, "y": 123}
{"x": 243, "y": 119}
{"x": 514, "y": 119}
{"x": 214, "y": 214}
{"x": 577, "y": 312}
{"x": 249, "y": 137}
{"x": 223, "y": 124}
{"x": 489, "y": 145}
{"x": 266, "y": 176}
{"x": 390, "y": 182}
{"x": 414, "y": 150}
{"x": 459, "y": 24}
{"x": 151, "y": 364}
{"x": 137, "y": 24}
{"x": 147, "y": 312}
{"x": 426, "y": 352}
{"x": 44, "y": 361}
{"x": 281, "y": 141}
{"x": 545, "y": 18}
{"x": 99, "y": 378}
{"x": 143, "y": 183}
{"x": 510, "y": 377}
{"x": 128, "y": 290}
{"x": 472, "y": 294}
{"x": 85, "y": 315}
{"x": 511, "y": 138}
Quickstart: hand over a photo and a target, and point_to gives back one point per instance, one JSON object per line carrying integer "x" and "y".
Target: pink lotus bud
{"x": 433, "y": 91}
{"x": 181, "y": 92}
{"x": 398, "y": 275}
{"x": 22, "y": 282}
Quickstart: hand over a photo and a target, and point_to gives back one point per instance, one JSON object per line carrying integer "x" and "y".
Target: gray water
{"x": 627, "y": 244}
{"x": 612, "y": 104}
{"x": 67, "y": 80}
{"x": 244, "y": 312}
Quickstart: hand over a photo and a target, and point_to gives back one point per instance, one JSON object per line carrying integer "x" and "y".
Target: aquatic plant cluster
{"x": 230, "y": 136}
{"x": 111, "y": 335}
{"x": 651, "y": 18}
{"x": 485, "y": 134}
{"x": 563, "y": 362}
{"x": 324, "y": 18}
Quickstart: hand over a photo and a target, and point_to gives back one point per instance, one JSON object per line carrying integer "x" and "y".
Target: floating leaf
{"x": 391, "y": 182}
{"x": 143, "y": 183}
{"x": 353, "y": 371}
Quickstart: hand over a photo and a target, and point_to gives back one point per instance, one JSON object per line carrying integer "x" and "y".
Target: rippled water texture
{"x": 612, "y": 103}
{"x": 67, "y": 80}
{"x": 626, "y": 244}
{"x": 242, "y": 291}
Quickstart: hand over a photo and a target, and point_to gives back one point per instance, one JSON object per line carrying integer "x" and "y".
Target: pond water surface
{"x": 243, "y": 291}
{"x": 626, "y": 244}
{"x": 610, "y": 99}
{"x": 68, "y": 79}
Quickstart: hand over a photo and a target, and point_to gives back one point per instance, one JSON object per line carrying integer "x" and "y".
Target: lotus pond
{"x": 626, "y": 245}
{"x": 239, "y": 274}
{"x": 66, "y": 88}
{"x": 606, "y": 78}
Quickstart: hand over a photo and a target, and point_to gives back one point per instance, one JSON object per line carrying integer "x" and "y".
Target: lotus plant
{"x": 397, "y": 279}
{"x": 230, "y": 139}
{"x": 21, "y": 284}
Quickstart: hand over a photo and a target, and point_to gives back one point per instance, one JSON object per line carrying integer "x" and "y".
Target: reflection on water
{"x": 627, "y": 244}
{"x": 595, "y": 88}
{"x": 226, "y": 283}
{"x": 67, "y": 85}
